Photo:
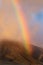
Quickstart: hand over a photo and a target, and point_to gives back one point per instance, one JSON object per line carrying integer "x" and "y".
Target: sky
{"x": 32, "y": 8}
{"x": 9, "y": 27}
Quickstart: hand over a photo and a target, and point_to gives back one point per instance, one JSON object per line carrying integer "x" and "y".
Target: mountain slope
{"x": 14, "y": 52}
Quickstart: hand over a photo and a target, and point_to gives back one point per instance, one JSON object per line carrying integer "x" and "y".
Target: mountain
{"x": 13, "y": 52}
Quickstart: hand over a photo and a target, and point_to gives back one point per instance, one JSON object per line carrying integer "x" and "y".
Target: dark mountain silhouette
{"x": 13, "y": 52}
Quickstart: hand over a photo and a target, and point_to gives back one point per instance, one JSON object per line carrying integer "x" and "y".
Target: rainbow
{"x": 23, "y": 25}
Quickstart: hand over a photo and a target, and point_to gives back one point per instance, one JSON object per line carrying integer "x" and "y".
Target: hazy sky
{"x": 9, "y": 25}
{"x": 32, "y": 8}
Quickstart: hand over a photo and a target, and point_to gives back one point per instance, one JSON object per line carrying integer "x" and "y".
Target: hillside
{"x": 13, "y": 52}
